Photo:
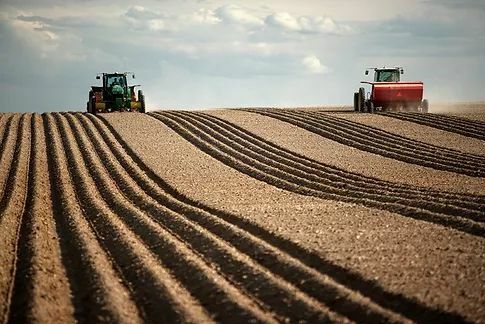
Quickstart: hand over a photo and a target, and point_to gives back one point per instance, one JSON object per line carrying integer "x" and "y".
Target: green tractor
{"x": 115, "y": 95}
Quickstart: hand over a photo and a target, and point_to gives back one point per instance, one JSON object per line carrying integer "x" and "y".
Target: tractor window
{"x": 119, "y": 80}
{"x": 387, "y": 76}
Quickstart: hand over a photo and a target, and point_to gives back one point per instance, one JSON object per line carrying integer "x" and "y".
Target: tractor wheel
{"x": 424, "y": 106}
{"x": 356, "y": 101}
{"x": 141, "y": 99}
{"x": 90, "y": 103}
{"x": 361, "y": 100}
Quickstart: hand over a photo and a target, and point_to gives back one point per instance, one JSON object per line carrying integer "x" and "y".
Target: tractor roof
{"x": 386, "y": 68}
{"x": 115, "y": 73}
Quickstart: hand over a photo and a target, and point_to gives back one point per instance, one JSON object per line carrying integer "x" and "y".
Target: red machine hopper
{"x": 388, "y": 93}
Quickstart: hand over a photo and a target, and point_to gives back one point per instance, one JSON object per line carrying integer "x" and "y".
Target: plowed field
{"x": 250, "y": 215}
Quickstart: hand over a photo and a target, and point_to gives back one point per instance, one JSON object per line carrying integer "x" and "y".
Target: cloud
{"x": 46, "y": 40}
{"x": 284, "y": 20}
{"x": 312, "y": 65}
{"x": 306, "y": 24}
{"x": 141, "y": 13}
{"x": 205, "y": 16}
{"x": 263, "y": 51}
{"x": 238, "y": 15}
{"x": 142, "y": 18}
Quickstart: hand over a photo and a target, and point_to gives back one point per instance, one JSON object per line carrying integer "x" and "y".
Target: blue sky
{"x": 196, "y": 54}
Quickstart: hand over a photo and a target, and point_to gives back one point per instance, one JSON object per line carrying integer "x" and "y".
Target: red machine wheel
{"x": 361, "y": 100}
{"x": 424, "y": 106}
{"x": 370, "y": 107}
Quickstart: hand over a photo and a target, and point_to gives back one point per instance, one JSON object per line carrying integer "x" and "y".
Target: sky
{"x": 197, "y": 54}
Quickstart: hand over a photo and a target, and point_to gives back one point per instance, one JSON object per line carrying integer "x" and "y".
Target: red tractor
{"x": 389, "y": 93}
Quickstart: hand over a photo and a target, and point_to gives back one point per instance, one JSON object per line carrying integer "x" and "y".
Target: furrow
{"x": 97, "y": 291}
{"x": 41, "y": 290}
{"x": 337, "y": 174}
{"x": 458, "y": 122}
{"x": 399, "y": 144}
{"x": 346, "y": 137}
{"x": 358, "y": 134}
{"x": 385, "y": 137}
{"x": 441, "y": 202}
{"x": 12, "y": 206}
{"x": 457, "y": 125}
{"x": 159, "y": 296}
{"x": 240, "y": 151}
{"x": 183, "y": 231}
{"x": 280, "y": 297}
{"x": 209, "y": 235}
{"x": 462, "y": 120}
{"x": 4, "y": 125}
{"x": 7, "y": 152}
{"x": 224, "y": 224}
{"x": 290, "y": 182}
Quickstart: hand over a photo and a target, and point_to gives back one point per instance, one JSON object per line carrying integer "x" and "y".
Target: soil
{"x": 232, "y": 215}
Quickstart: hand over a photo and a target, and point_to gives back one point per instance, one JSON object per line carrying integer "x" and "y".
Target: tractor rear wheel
{"x": 141, "y": 99}
{"x": 356, "y": 101}
{"x": 90, "y": 105}
{"x": 361, "y": 100}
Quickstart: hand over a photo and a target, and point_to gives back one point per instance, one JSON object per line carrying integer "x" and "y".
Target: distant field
{"x": 243, "y": 215}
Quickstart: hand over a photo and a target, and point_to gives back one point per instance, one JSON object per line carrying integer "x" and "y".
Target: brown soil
{"x": 350, "y": 158}
{"x": 185, "y": 217}
{"x": 423, "y": 133}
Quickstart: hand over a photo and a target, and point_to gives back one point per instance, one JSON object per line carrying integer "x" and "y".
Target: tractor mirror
{"x": 402, "y": 71}
{"x": 98, "y": 77}
{"x": 366, "y": 72}
{"x": 133, "y": 76}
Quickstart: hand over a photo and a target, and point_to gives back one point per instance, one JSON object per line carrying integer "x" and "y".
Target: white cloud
{"x": 141, "y": 13}
{"x": 156, "y": 24}
{"x": 238, "y": 15}
{"x": 285, "y": 20}
{"x": 306, "y": 24}
{"x": 205, "y": 16}
{"x": 46, "y": 41}
{"x": 312, "y": 64}
{"x": 145, "y": 19}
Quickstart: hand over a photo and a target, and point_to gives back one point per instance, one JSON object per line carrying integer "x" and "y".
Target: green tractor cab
{"x": 115, "y": 95}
